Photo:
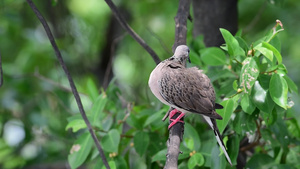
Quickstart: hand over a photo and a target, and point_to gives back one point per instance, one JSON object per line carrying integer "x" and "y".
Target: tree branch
{"x": 131, "y": 32}
{"x": 181, "y": 23}
{"x": 41, "y": 77}
{"x": 176, "y": 132}
{"x": 173, "y": 144}
{"x": 72, "y": 85}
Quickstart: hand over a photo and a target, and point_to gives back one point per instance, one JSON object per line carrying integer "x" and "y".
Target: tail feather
{"x": 213, "y": 125}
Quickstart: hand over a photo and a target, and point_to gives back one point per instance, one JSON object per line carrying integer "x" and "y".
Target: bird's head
{"x": 181, "y": 55}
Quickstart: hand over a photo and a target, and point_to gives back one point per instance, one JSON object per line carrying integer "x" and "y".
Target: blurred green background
{"x": 35, "y": 97}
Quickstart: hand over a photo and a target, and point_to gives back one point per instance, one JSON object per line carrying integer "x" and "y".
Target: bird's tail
{"x": 212, "y": 123}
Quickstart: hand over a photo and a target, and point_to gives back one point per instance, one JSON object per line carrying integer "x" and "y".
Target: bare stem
{"x": 131, "y": 32}
{"x": 72, "y": 85}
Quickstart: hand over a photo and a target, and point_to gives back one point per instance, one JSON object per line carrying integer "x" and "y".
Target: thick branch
{"x": 131, "y": 32}
{"x": 176, "y": 132}
{"x": 181, "y": 23}
{"x": 173, "y": 143}
{"x": 72, "y": 85}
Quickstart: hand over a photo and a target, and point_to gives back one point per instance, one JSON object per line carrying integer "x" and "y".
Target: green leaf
{"x": 120, "y": 162}
{"x": 54, "y": 2}
{"x": 292, "y": 86}
{"x": 282, "y": 69}
{"x": 111, "y": 164}
{"x": 92, "y": 89}
{"x": 110, "y": 142}
{"x": 233, "y": 46}
{"x": 249, "y": 74}
{"x": 276, "y": 43}
{"x": 196, "y": 160}
{"x": 191, "y": 133}
{"x": 235, "y": 85}
{"x": 260, "y": 161}
{"x": 261, "y": 98}
{"x": 226, "y": 112}
{"x": 141, "y": 142}
{"x": 279, "y": 90}
{"x": 266, "y": 52}
{"x": 160, "y": 156}
{"x": 279, "y": 129}
{"x": 293, "y": 127}
{"x": 107, "y": 122}
{"x": 5, "y": 153}
{"x": 136, "y": 122}
{"x": 76, "y": 125}
{"x": 80, "y": 150}
{"x": 237, "y": 122}
{"x": 154, "y": 118}
{"x": 97, "y": 109}
{"x": 247, "y": 104}
{"x": 195, "y": 58}
{"x": 274, "y": 50}
{"x": 233, "y": 147}
{"x": 269, "y": 117}
{"x": 217, "y": 161}
{"x": 14, "y": 162}
{"x": 189, "y": 143}
{"x": 185, "y": 153}
{"x": 243, "y": 44}
{"x": 213, "y": 56}
{"x": 198, "y": 43}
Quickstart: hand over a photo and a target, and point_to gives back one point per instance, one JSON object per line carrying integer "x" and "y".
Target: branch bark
{"x": 176, "y": 132}
{"x": 181, "y": 23}
{"x": 72, "y": 85}
{"x": 131, "y": 32}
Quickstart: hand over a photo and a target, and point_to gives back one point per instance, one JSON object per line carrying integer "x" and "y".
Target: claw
{"x": 178, "y": 119}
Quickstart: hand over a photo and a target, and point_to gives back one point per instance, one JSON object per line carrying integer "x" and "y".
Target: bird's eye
{"x": 188, "y": 50}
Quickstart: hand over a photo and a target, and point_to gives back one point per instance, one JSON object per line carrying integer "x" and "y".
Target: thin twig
{"x": 164, "y": 46}
{"x": 50, "y": 81}
{"x": 1, "y": 72}
{"x": 112, "y": 51}
{"x": 127, "y": 113}
{"x": 257, "y": 141}
{"x": 167, "y": 114}
{"x": 72, "y": 85}
{"x": 131, "y": 32}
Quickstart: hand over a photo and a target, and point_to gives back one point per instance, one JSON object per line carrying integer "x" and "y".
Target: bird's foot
{"x": 178, "y": 119}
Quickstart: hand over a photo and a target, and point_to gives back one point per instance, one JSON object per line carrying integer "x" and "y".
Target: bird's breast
{"x": 154, "y": 82}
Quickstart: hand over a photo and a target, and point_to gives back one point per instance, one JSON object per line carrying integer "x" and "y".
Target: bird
{"x": 187, "y": 90}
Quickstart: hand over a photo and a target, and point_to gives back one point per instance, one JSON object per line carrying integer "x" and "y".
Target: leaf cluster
{"x": 252, "y": 85}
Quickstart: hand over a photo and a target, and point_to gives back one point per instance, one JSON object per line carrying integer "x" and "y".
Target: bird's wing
{"x": 188, "y": 89}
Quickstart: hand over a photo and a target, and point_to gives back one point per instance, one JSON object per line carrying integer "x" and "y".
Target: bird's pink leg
{"x": 178, "y": 119}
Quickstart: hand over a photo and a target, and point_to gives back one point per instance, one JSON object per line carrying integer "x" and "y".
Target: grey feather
{"x": 186, "y": 89}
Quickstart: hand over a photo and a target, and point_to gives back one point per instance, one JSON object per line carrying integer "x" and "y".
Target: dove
{"x": 188, "y": 90}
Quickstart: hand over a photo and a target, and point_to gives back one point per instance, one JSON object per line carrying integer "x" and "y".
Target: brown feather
{"x": 188, "y": 88}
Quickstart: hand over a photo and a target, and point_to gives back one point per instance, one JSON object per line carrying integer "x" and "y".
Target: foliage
{"x": 254, "y": 108}
{"x": 252, "y": 82}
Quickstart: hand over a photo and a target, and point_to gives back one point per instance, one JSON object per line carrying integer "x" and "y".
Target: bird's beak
{"x": 189, "y": 60}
